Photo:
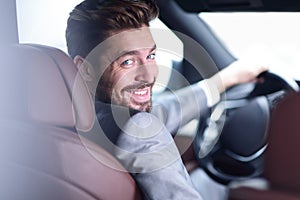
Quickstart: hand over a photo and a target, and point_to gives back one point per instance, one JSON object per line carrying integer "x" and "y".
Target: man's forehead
{"x": 133, "y": 39}
{"x": 125, "y": 41}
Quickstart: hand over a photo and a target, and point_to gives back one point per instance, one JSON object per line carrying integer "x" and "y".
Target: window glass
{"x": 270, "y": 37}
{"x": 44, "y": 22}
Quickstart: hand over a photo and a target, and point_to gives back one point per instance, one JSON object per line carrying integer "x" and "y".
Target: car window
{"x": 270, "y": 37}
{"x": 44, "y": 22}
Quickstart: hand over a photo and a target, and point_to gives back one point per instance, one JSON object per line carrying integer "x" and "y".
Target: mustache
{"x": 139, "y": 85}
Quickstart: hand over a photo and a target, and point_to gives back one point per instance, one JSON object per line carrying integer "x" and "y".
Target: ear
{"x": 85, "y": 69}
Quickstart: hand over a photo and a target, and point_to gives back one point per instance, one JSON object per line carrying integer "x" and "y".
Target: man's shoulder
{"x": 114, "y": 119}
{"x": 120, "y": 115}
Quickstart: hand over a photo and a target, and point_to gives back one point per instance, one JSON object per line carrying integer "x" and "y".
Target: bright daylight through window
{"x": 270, "y": 37}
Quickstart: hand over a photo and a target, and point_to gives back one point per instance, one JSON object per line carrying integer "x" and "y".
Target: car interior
{"x": 248, "y": 141}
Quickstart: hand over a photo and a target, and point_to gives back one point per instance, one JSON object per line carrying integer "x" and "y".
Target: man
{"x": 111, "y": 43}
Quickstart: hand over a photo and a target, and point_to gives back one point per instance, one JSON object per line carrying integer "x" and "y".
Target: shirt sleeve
{"x": 211, "y": 92}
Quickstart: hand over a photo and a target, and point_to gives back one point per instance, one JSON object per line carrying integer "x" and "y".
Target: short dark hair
{"x": 93, "y": 21}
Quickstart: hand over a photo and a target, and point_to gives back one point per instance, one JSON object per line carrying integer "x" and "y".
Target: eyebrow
{"x": 134, "y": 52}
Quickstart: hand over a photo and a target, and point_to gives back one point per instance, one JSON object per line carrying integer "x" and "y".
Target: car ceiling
{"x": 240, "y": 5}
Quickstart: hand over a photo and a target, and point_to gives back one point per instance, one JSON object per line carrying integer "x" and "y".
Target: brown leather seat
{"x": 42, "y": 156}
{"x": 282, "y": 162}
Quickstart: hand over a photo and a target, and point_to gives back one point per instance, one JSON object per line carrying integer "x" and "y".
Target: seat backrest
{"x": 41, "y": 154}
{"x": 282, "y": 162}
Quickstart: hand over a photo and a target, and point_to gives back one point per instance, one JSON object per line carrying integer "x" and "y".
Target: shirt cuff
{"x": 211, "y": 91}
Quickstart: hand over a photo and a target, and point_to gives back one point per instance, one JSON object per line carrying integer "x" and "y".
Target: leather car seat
{"x": 41, "y": 153}
{"x": 282, "y": 156}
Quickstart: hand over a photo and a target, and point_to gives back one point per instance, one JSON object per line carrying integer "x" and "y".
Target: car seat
{"x": 42, "y": 155}
{"x": 281, "y": 159}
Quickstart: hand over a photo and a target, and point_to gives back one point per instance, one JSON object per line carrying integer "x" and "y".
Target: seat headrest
{"x": 42, "y": 84}
{"x": 281, "y": 159}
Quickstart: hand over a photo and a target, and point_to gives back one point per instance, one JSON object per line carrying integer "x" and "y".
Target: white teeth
{"x": 140, "y": 92}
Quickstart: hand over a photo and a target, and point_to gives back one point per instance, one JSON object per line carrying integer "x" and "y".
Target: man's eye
{"x": 151, "y": 56}
{"x": 127, "y": 62}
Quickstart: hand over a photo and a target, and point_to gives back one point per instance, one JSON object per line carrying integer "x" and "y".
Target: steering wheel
{"x": 231, "y": 139}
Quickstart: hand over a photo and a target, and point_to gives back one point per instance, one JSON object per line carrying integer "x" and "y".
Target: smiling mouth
{"x": 140, "y": 92}
{"x": 140, "y": 96}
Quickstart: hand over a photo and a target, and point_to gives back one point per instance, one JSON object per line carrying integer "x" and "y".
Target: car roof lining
{"x": 198, "y": 6}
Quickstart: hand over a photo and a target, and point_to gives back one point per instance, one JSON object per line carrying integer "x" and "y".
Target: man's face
{"x": 128, "y": 81}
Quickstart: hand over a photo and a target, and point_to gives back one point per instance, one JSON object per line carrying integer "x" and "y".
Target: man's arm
{"x": 180, "y": 107}
{"x": 147, "y": 150}
{"x": 177, "y": 108}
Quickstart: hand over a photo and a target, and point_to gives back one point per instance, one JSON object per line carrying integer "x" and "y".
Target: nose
{"x": 147, "y": 73}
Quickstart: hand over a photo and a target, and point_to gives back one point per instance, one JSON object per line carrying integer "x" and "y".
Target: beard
{"x": 145, "y": 106}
